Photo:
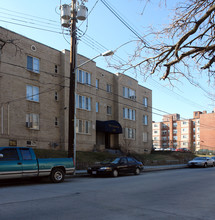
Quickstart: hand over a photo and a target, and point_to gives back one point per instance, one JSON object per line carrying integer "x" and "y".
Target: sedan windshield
{"x": 115, "y": 161}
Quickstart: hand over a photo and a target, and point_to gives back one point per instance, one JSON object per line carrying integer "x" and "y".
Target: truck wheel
{"x": 57, "y": 175}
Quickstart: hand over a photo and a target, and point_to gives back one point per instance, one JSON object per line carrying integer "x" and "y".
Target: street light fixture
{"x": 105, "y": 54}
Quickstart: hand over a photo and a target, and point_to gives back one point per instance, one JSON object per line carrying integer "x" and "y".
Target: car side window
{"x": 131, "y": 160}
{"x": 26, "y": 154}
{"x": 9, "y": 154}
{"x": 123, "y": 160}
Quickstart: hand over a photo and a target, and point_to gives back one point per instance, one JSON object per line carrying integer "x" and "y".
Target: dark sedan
{"x": 117, "y": 166}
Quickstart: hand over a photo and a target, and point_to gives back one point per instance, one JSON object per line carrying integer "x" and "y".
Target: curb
{"x": 83, "y": 173}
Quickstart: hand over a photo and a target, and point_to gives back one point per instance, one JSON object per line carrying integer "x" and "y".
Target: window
{"x": 56, "y": 96}
{"x": 175, "y": 138}
{"x": 174, "y": 131}
{"x": 129, "y": 133}
{"x": 164, "y": 132}
{"x": 175, "y": 124}
{"x": 55, "y": 69}
{"x": 9, "y": 154}
{"x": 56, "y": 121}
{"x": 145, "y": 119}
{"x": 145, "y": 101}
{"x": 129, "y": 93}
{"x": 109, "y": 88}
{"x": 97, "y": 107}
{"x": 32, "y": 121}
{"x": 32, "y": 93}
{"x": 155, "y": 132}
{"x": 83, "y": 126}
{"x": 109, "y": 110}
{"x": 84, "y": 77}
{"x": 83, "y": 102}
{"x": 184, "y": 130}
{"x": 145, "y": 136}
{"x": 155, "y": 125}
{"x": 97, "y": 84}
{"x": 26, "y": 154}
{"x": 129, "y": 114}
{"x": 33, "y": 64}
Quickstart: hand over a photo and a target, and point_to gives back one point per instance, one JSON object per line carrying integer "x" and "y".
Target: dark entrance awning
{"x": 111, "y": 126}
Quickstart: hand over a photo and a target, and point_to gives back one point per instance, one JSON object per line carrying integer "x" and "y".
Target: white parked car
{"x": 201, "y": 162}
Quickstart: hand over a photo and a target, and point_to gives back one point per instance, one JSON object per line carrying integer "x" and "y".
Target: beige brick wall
{"x": 14, "y": 77}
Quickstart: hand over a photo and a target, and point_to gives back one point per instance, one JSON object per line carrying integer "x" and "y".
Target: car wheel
{"x": 205, "y": 165}
{"x": 115, "y": 173}
{"x": 137, "y": 171}
{"x": 57, "y": 175}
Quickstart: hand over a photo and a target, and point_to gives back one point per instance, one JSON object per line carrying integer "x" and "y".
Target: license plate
{"x": 93, "y": 172}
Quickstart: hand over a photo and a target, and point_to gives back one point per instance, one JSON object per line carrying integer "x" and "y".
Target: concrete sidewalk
{"x": 146, "y": 169}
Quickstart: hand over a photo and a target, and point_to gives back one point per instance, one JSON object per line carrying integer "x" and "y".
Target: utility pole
{"x": 72, "y": 107}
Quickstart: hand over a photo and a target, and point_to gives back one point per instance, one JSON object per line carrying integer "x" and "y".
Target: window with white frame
{"x": 129, "y": 133}
{"x": 145, "y": 137}
{"x": 97, "y": 107}
{"x": 97, "y": 83}
{"x": 155, "y": 132}
{"x": 83, "y": 102}
{"x": 155, "y": 125}
{"x": 33, "y": 64}
{"x": 129, "y": 93}
{"x": 84, "y": 77}
{"x": 109, "y": 110}
{"x": 145, "y": 101}
{"x": 145, "y": 119}
{"x": 32, "y": 121}
{"x": 109, "y": 88}
{"x": 32, "y": 93}
{"x": 83, "y": 126}
{"x": 129, "y": 114}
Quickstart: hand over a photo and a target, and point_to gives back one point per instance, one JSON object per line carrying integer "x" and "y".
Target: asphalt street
{"x": 181, "y": 194}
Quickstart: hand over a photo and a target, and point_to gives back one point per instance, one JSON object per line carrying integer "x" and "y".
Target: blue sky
{"x": 105, "y": 31}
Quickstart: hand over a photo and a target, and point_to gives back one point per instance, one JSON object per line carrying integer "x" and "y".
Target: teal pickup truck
{"x": 20, "y": 162}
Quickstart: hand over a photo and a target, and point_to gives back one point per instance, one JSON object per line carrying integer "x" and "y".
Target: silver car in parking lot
{"x": 201, "y": 162}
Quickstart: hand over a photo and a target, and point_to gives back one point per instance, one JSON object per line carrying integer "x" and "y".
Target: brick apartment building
{"x": 111, "y": 109}
{"x": 194, "y": 134}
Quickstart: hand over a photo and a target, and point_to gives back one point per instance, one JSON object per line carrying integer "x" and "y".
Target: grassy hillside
{"x": 84, "y": 159}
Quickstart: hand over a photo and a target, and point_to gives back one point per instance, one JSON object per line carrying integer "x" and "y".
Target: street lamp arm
{"x": 105, "y": 54}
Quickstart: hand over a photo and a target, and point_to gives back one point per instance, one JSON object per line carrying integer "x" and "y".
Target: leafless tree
{"x": 5, "y": 39}
{"x": 188, "y": 40}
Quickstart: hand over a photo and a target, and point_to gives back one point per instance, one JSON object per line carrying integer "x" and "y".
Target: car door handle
{"x": 19, "y": 163}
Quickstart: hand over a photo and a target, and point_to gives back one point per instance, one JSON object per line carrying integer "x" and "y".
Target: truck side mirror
{"x": 1, "y": 155}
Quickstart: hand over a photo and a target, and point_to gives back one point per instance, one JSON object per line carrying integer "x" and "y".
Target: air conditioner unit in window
{"x": 53, "y": 144}
{"x": 29, "y": 124}
{"x": 133, "y": 97}
{"x": 31, "y": 143}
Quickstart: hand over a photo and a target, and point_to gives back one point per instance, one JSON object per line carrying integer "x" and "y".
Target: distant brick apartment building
{"x": 112, "y": 110}
{"x": 194, "y": 134}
